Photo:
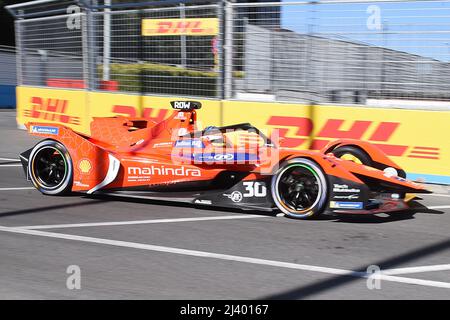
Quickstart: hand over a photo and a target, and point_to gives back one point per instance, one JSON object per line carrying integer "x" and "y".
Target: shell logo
{"x": 85, "y": 166}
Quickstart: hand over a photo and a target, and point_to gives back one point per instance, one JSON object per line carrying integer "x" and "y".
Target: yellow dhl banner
{"x": 177, "y": 27}
{"x": 416, "y": 139}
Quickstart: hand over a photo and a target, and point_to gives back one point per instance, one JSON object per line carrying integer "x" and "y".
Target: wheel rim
{"x": 49, "y": 167}
{"x": 299, "y": 188}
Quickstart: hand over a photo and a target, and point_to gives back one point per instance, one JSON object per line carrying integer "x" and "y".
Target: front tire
{"x": 50, "y": 168}
{"x": 300, "y": 189}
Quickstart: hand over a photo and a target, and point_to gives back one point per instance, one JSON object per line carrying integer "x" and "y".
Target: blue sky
{"x": 421, "y": 28}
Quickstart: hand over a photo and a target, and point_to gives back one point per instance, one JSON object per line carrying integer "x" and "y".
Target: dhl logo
{"x": 51, "y": 110}
{"x": 173, "y": 27}
{"x": 148, "y": 113}
{"x": 332, "y": 129}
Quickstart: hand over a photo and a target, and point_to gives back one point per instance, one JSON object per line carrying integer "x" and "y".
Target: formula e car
{"x": 234, "y": 166}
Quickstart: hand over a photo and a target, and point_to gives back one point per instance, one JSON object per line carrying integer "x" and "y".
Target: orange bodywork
{"x": 152, "y": 154}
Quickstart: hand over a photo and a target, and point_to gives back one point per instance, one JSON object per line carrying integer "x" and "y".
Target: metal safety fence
{"x": 8, "y": 77}
{"x": 349, "y": 52}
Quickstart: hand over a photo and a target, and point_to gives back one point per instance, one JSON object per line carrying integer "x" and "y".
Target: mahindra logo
{"x": 164, "y": 171}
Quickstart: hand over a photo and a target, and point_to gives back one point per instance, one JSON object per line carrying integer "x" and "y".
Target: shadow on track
{"x": 50, "y": 208}
{"x": 337, "y": 281}
{"x": 416, "y": 208}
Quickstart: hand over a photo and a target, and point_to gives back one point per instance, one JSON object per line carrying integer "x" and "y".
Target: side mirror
{"x": 186, "y": 105}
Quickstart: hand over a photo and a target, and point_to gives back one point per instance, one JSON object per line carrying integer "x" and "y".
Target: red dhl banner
{"x": 176, "y": 27}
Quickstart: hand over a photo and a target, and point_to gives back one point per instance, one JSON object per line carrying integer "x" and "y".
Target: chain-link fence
{"x": 8, "y": 77}
{"x": 347, "y": 51}
{"x": 157, "y": 51}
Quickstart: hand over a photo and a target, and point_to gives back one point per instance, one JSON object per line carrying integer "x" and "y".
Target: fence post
{"x": 92, "y": 50}
{"x": 220, "y": 92}
{"x": 107, "y": 41}
{"x": 228, "y": 48}
{"x": 85, "y": 49}
{"x": 19, "y": 51}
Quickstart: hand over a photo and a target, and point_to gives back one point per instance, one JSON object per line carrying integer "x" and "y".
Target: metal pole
{"x": 228, "y": 51}
{"x": 107, "y": 41}
{"x": 183, "y": 37}
{"x": 92, "y": 52}
{"x": 220, "y": 92}
{"x": 19, "y": 51}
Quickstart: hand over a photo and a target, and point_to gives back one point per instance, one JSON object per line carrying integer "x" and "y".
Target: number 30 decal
{"x": 255, "y": 189}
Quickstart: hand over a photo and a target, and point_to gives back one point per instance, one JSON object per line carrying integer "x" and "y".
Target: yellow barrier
{"x": 68, "y": 107}
{"x": 416, "y": 139}
{"x": 76, "y": 108}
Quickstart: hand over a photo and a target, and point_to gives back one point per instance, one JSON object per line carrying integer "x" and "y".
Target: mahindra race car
{"x": 234, "y": 166}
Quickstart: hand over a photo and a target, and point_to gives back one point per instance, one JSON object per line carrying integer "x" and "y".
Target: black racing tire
{"x": 300, "y": 189}
{"x": 362, "y": 157}
{"x": 50, "y": 168}
{"x": 359, "y": 155}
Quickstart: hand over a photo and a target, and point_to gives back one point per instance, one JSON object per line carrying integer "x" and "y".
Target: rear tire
{"x": 300, "y": 189}
{"x": 358, "y": 155}
{"x": 353, "y": 154}
{"x": 50, "y": 168}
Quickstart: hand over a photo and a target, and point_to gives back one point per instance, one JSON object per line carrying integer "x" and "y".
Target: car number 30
{"x": 255, "y": 189}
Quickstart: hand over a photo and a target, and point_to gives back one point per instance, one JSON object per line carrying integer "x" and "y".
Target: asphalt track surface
{"x": 140, "y": 249}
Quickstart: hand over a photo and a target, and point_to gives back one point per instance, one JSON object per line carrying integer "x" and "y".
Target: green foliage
{"x": 164, "y": 79}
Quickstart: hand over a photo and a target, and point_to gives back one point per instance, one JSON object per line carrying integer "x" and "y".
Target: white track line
{"x": 437, "y": 195}
{"x": 398, "y": 271}
{"x": 438, "y": 207}
{"x": 8, "y": 159}
{"x": 10, "y": 165}
{"x": 218, "y": 256}
{"x": 136, "y": 222}
{"x": 13, "y": 189}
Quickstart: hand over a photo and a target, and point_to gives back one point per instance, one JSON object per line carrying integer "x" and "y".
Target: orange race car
{"x": 234, "y": 166}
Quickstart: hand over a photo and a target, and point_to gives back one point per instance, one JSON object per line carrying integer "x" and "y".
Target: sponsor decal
{"x": 203, "y": 201}
{"x": 346, "y": 205}
{"x": 180, "y": 116}
{"x": 378, "y": 133}
{"x": 163, "y": 171}
{"x": 350, "y": 197}
{"x": 344, "y": 188}
{"x": 162, "y": 145}
{"x": 85, "y": 166}
{"x": 195, "y": 143}
{"x": 51, "y": 110}
{"x": 400, "y": 179}
{"x": 171, "y": 27}
{"x": 222, "y": 157}
{"x": 154, "y": 114}
{"x": 80, "y": 184}
{"x": 182, "y": 105}
{"x": 44, "y": 130}
{"x": 235, "y": 196}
